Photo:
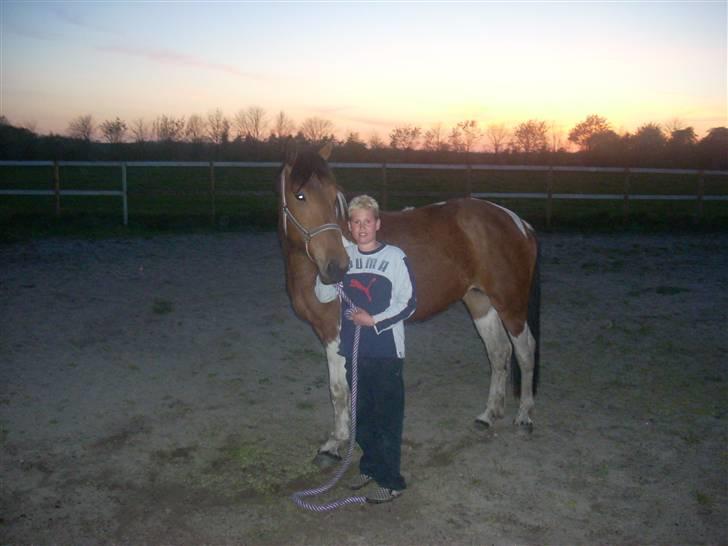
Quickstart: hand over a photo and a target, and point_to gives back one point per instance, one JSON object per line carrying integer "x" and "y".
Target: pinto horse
{"x": 464, "y": 249}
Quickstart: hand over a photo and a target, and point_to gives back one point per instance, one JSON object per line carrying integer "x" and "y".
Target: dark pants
{"x": 380, "y": 416}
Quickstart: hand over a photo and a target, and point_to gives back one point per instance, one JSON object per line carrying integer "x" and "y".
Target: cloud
{"x": 74, "y": 18}
{"x": 329, "y": 110}
{"x": 384, "y": 123}
{"x": 342, "y": 113}
{"x": 174, "y": 58}
{"x": 42, "y": 23}
{"x": 35, "y": 33}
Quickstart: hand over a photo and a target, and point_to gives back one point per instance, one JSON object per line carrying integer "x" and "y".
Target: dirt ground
{"x": 161, "y": 391}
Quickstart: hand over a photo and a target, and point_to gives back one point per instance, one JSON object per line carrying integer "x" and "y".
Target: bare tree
{"x": 114, "y": 131}
{"x": 218, "y": 127}
{"x": 434, "y": 140}
{"x": 316, "y": 129}
{"x": 498, "y": 136}
{"x": 581, "y": 134}
{"x": 531, "y": 136}
{"x": 251, "y": 123}
{"x": 404, "y": 137}
{"x": 375, "y": 142}
{"x": 283, "y": 126}
{"x": 168, "y": 128}
{"x": 674, "y": 124}
{"x": 455, "y": 139}
{"x": 82, "y": 127}
{"x": 470, "y": 134}
{"x": 556, "y": 137}
{"x": 139, "y": 130}
{"x": 196, "y": 129}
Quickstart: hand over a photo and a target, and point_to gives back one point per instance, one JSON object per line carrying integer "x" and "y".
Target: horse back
{"x": 465, "y": 244}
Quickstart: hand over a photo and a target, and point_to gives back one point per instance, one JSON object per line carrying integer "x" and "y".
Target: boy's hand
{"x": 360, "y": 317}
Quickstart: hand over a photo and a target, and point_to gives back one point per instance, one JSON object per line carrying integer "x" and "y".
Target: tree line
{"x": 253, "y": 135}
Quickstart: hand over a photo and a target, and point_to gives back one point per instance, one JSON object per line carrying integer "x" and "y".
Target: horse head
{"x": 311, "y": 212}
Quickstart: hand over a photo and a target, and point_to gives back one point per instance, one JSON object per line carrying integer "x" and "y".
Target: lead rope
{"x": 298, "y": 497}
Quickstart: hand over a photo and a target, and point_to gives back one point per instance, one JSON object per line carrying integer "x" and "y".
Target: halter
{"x": 308, "y": 234}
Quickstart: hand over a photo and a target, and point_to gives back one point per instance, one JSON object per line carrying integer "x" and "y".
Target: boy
{"x": 380, "y": 283}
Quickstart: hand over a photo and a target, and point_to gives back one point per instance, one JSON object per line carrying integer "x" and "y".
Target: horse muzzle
{"x": 333, "y": 272}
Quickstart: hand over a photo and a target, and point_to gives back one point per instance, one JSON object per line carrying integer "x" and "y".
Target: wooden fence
{"x": 548, "y": 194}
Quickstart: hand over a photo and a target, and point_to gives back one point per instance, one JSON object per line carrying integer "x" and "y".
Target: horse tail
{"x": 534, "y": 324}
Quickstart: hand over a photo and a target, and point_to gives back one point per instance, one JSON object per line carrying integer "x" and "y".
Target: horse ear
{"x": 325, "y": 152}
{"x": 291, "y": 151}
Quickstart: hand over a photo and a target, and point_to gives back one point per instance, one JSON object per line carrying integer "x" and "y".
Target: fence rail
{"x": 549, "y": 195}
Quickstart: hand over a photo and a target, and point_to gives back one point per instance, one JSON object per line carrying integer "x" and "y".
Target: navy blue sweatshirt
{"x": 381, "y": 283}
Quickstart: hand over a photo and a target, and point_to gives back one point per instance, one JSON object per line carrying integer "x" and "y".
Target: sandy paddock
{"x": 161, "y": 391}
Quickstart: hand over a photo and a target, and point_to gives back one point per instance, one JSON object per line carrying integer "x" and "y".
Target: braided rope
{"x": 298, "y": 497}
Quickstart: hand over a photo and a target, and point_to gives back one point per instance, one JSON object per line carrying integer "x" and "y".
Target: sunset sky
{"x": 367, "y": 66}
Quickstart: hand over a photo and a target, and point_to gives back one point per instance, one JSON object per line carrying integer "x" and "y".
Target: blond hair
{"x": 364, "y": 202}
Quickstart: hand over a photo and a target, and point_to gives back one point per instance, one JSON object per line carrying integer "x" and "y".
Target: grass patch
{"x": 304, "y": 355}
{"x": 691, "y": 438}
{"x": 305, "y": 405}
{"x": 704, "y": 500}
{"x": 670, "y": 290}
{"x": 257, "y": 468}
{"x": 162, "y": 306}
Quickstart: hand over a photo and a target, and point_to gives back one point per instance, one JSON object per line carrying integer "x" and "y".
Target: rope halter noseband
{"x": 308, "y": 234}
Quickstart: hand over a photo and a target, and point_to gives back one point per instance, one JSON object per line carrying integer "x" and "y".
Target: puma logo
{"x": 365, "y": 289}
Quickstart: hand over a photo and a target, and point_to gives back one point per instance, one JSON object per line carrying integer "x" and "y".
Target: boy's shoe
{"x": 383, "y": 494}
{"x": 360, "y": 481}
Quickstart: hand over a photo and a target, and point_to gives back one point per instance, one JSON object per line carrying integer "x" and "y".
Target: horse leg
{"x": 525, "y": 347}
{"x": 498, "y": 347}
{"x": 340, "y": 399}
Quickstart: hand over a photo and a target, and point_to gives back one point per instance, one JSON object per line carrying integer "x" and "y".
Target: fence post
{"x": 213, "y": 211}
{"x": 468, "y": 181}
{"x": 701, "y": 193}
{"x": 124, "y": 198}
{"x": 57, "y": 187}
{"x": 625, "y": 203}
{"x": 549, "y": 195}
{"x": 385, "y": 196}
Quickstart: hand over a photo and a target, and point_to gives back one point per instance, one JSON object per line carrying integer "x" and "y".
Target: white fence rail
{"x": 699, "y": 197}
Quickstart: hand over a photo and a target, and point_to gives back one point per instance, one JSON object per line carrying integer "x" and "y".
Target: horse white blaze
{"x": 340, "y": 399}
{"x": 498, "y": 346}
{"x": 525, "y": 346}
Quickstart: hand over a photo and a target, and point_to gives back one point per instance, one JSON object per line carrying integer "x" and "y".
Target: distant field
{"x": 163, "y": 198}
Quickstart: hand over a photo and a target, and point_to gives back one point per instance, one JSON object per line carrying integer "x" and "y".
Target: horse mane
{"x": 306, "y": 165}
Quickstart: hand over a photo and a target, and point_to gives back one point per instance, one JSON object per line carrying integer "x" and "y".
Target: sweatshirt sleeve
{"x": 325, "y": 292}
{"x": 404, "y": 300}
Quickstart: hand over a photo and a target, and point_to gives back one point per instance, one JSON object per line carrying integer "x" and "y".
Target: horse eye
{"x": 300, "y": 196}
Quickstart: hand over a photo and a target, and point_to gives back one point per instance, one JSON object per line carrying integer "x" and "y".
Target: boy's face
{"x": 364, "y": 226}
